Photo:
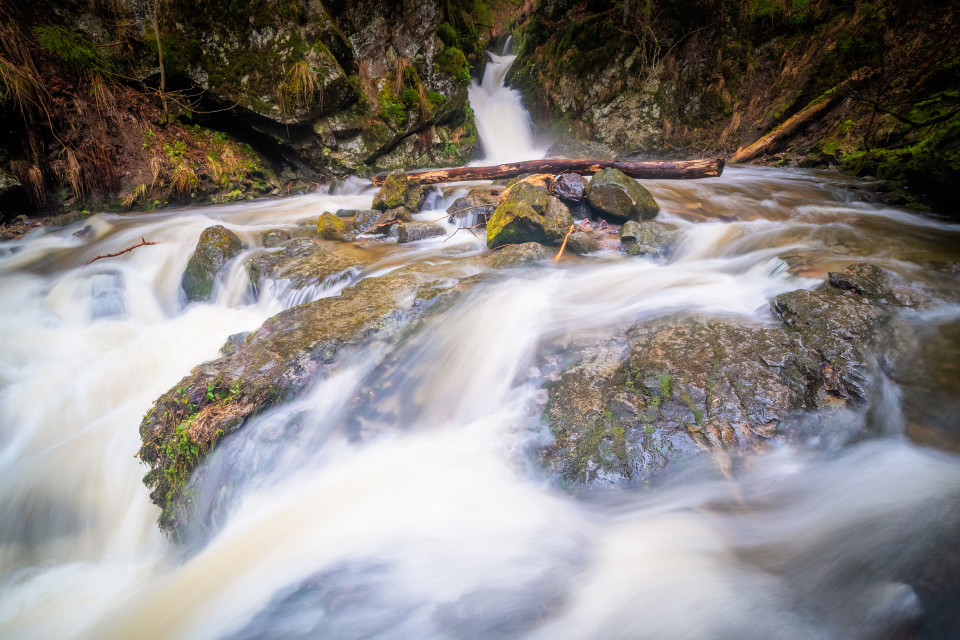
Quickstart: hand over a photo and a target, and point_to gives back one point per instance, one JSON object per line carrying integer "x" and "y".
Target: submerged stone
{"x": 647, "y": 238}
{"x": 516, "y": 255}
{"x": 216, "y": 247}
{"x": 616, "y": 195}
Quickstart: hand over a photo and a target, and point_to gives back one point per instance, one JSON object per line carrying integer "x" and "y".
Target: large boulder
{"x": 287, "y": 354}
{"x": 615, "y": 195}
{"x": 216, "y": 247}
{"x": 528, "y": 213}
{"x": 677, "y": 388}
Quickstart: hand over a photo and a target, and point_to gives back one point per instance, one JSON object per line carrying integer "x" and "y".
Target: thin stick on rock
{"x": 142, "y": 243}
{"x": 564, "y": 245}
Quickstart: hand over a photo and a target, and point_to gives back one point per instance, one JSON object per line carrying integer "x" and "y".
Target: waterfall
{"x": 504, "y": 126}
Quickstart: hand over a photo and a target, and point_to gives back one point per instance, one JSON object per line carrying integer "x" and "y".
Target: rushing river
{"x": 442, "y": 525}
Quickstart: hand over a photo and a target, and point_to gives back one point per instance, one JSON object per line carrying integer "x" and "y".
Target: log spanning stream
{"x": 431, "y": 513}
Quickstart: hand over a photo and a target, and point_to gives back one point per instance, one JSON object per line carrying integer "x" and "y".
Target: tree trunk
{"x": 796, "y": 122}
{"x": 650, "y": 170}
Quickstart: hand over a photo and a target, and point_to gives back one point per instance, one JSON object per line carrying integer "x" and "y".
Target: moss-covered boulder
{"x": 289, "y": 352}
{"x": 331, "y": 227}
{"x": 618, "y": 197}
{"x": 647, "y": 238}
{"x": 216, "y": 247}
{"x": 275, "y": 237}
{"x": 393, "y": 192}
{"x": 413, "y": 231}
{"x": 528, "y": 213}
{"x": 304, "y": 262}
{"x": 676, "y": 388}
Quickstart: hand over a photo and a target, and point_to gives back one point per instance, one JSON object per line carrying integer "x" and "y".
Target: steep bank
{"x": 131, "y": 104}
{"x": 657, "y": 78}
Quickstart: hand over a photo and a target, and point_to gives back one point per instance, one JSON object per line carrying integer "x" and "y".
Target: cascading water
{"x": 503, "y": 124}
{"x": 435, "y": 520}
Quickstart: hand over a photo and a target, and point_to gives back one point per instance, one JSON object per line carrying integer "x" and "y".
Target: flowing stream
{"x": 440, "y": 523}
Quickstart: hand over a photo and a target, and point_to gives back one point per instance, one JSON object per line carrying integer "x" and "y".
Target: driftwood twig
{"x": 142, "y": 243}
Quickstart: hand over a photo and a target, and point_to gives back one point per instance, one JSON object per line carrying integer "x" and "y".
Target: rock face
{"x": 217, "y": 246}
{"x": 331, "y": 227}
{"x": 285, "y": 355}
{"x": 648, "y": 238}
{"x": 679, "y": 389}
{"x": 617, "y": 196}
{"x": 528, "y": 213}
{"x": 413, "y": 231}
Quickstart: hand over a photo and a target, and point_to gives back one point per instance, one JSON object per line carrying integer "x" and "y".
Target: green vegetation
{"x": 75, "y": 51}
{"x": 452, "y": 62}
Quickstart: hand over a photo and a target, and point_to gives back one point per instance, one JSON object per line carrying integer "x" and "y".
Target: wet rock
{"x": 275, "y": 237}
{"x": 870, "y": 281}
{"x": 413, "y": 231}
{"x": 480, "y": 205}
{"x": 528, "y": 213}
{"x": 233, "y": 342}
{"x": 282, "y": 358}
{"x": 619, "y": 197}
{"x": 670, "y": 392}
{"x": 924, "y": 361}
{"x": 216, "y": 247}
{"x": 582, "y": 243}
{"x": 516, "y": 255}
{"x": 570, "y": 186}
{"x": 304, "y": 262}
{"x": 13, "y": 197}
{"x": 647, "y": 238}
{"x": 364, "y": 219}
{"x": 331, "y": 227}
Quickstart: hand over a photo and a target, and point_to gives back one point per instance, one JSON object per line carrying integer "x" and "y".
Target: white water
{"x": 439, "y": 523}
{"x": 503, "y": 124}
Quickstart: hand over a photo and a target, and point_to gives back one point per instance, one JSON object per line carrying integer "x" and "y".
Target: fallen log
{"x": 646, "y": 169}
{"x": 793, "y": 124}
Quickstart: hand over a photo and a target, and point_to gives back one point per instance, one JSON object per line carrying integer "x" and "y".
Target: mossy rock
{"x": 618, "y": 197}
{"x": 331, "y": 227}
{"x": 285, "y": 356}
{"x": 216, "y": 247}
{"x": 275, "y": 237}
{"x": 365, "y": 218}
{"x": 393, "y": 192}
{"x": 527, "y": 213}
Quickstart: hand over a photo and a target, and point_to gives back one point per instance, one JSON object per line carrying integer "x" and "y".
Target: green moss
{"x": 446, "y": 33}
{"x": 452, "y": 62}
{"x": 410, "y": 99}
{"x": 74, "y": 50}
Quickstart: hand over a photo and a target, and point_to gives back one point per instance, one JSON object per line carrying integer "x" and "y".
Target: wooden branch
{"x": 646, "y": 169}
{"x": 120, "y": 253}
{"x": 563, "y": 246}
{"x": 796, "y": 122}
